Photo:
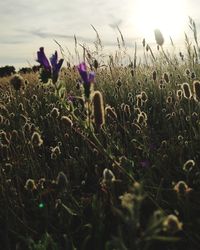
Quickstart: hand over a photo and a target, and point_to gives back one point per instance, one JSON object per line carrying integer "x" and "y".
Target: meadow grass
{"x": 116, "y": 170}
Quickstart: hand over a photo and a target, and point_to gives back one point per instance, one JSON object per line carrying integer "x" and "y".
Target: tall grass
{"x": 116, "y": 170}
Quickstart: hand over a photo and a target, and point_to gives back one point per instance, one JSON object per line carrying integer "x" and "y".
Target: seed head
{"x": 66, "y": 121}
{"x": 98, "y": 109}
{"x": 172, "y": 224}
{"x": 55, "y": 113}
{"x": 196, "y": 90}
{"x": 36, "y": 139}
{"x": 62, "y": 181}
{"x": 166, "y": 77}
{"x": 108, "y": 176}
{"x": 4, "y": 140}
{"x": 111, "y": 112}
{"x": 154, "y": 75}
{"x": 186, "y": 90}
{"x": 159, "y": 37}
{"x": 188, "y": 165}
{"x": 17, "y": 82}
{"x": 30, "y": 185}
{"x": 181, "y": 188}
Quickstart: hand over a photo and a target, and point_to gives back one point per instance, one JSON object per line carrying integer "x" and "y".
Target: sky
{"x": 27, "y": 25}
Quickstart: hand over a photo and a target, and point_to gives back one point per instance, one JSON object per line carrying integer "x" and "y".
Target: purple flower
{"x": 87, "y": 78}
{"x": 82, "y": 69}
{"x": 42, "y": 59}
{"x": 56, "y": 66}
{"x": 52, "y": 71}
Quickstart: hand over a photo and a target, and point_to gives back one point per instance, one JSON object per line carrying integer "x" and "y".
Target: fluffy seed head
{"x": 186, "y": 90}
{"x": 188, "y": 165}
{"x": 159, "y": 37}
{"x": 62, "y": 181}
{"x": 108, "y": 176}
{"x": 30, "y": 185}
{"x": 66, "y": 121}
{"x": 172, "y": 224}
{"x": 181, "y": 188}
{"x": 110, "y": 112}
{"x": 17, "y": 82}
{"x": 36, "y": 139}
{"x": 98, "y": 109}
{"x": 55, "y": 113}
{"x": 196, "y": 90}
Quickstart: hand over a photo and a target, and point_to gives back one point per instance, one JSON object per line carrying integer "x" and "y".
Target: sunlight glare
{"x": 167, "y": 15}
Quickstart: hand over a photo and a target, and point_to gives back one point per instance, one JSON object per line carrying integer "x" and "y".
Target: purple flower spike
{"x": 42, "y": 59}
{"x": 49, "y": 71}
{"x": 56, "y": 66}
{"x": 82, "y": 68}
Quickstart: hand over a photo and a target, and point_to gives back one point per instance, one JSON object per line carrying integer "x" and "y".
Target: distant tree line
{"x": 10, "y": 70}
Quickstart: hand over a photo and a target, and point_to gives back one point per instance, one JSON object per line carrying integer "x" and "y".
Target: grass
{"x": 69, "y": 181}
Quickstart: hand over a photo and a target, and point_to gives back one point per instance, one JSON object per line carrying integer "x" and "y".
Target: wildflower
{"x": 196, "y": 90}
{"x": 172, "y": 224}
{"x": 87, "y": 78}
{"x": 98, "y": 109}
{"x": 159, "y": 37}
{"x": 49, "y": 70}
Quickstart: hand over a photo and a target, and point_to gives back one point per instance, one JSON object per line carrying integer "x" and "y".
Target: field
{"x": 103, "y": 155}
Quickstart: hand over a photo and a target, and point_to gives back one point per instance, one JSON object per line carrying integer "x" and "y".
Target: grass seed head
{"x": 159, "y": 37}
{"x": 66, "y": 121}
{"x": 188, "y": 165}
{"x": 30, "y": 185}
{"x": 110, "y": 112}
{"x": 98, "y": 109}
{"x": 196, "y": 90}
{"x": 17, "y": 82}
{"x": 186, "y": 90}
{"x": 36, "y": 139}
{"x": 172, "y": 224}
{"x": 181, "y": 188}
{"x": 62, "y": 181}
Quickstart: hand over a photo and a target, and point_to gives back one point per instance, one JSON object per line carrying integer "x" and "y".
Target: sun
{"x": 167, "y": 15}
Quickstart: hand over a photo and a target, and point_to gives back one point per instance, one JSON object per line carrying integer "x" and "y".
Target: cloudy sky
{"x": 27, "y": 25}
